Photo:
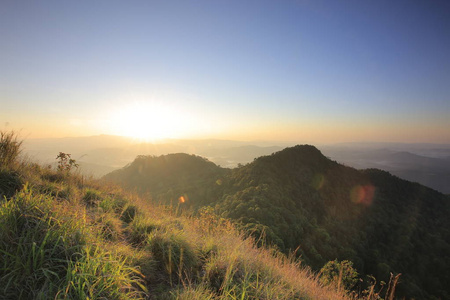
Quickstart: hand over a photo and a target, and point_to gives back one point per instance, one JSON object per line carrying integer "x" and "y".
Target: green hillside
{"x": 299, "y": 200}
{"x": 166, "y": 178}
{"x": 65, "y": 236}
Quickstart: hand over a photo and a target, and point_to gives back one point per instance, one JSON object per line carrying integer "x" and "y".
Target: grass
{"x": 10, "y": 148}
{"x": 10, "y": 182}
{"x": 64, "y": 236}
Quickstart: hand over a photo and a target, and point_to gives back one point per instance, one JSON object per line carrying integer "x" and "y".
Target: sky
{"x": 293, "y": 70}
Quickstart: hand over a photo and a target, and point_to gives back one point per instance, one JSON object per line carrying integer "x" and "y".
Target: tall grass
{"x": 44, "y": 251}
{"x": 10, "y": 182}
{"x": 35, "y": 245}
{"x": 101, "y": 275}
{"x": 10, "y": 148}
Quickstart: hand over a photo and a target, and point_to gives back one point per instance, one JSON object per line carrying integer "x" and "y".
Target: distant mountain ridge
{"x": 298, "y": 197}
{"x": 101, "y": 154}
{"x": 430, "y": 171}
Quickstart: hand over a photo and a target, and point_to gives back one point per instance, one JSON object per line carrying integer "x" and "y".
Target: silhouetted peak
{"x": 298, "y": 156}
{"x": 173, "y": 159}
{"x": 304, "y": 150}
{"x": 175, "y": 165}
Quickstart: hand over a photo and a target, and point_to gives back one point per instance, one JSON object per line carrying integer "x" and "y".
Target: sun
{"x": 146, "y": 121}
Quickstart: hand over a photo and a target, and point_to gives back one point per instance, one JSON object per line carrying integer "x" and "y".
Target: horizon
{"x": 313, "y": 72}
{"x": 258, "y": 143}
{"x": 246, "y": 142}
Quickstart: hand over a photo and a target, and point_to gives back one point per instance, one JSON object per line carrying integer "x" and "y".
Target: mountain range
{"x": 305, "y": 203}
{"x": 428, "y": 164}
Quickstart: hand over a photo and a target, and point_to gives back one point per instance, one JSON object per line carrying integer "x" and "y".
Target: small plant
{"x": 65, "y": 162}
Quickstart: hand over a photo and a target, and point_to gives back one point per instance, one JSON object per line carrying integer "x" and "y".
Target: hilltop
{"x": 299, "y": 200}
{"x": 65, "y": 236}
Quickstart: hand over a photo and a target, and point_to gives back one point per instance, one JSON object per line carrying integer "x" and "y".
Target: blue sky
{"x": 306, "y": 71}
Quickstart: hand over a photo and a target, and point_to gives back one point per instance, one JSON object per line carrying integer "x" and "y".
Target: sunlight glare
{"x": 146, "y": 122}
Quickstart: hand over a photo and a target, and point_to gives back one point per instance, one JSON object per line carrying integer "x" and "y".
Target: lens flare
{"x": 318, "y": 181}
{"x": 182, "y": 199}
{"x": 362, "y": 194}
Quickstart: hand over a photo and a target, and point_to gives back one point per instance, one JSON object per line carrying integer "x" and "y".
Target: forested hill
{"x": 168, "y": 177}
{"x": 299, "y": 198}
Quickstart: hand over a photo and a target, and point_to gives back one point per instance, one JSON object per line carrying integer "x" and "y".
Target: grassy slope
{"x": 63, "y": 236}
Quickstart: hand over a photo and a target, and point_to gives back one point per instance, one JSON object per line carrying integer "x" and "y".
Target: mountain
{"x": 427, "y": 164}
{"x": 65, "y": 236}
{"x": 166, "y": 178}
{"x": 298, "y": 198}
